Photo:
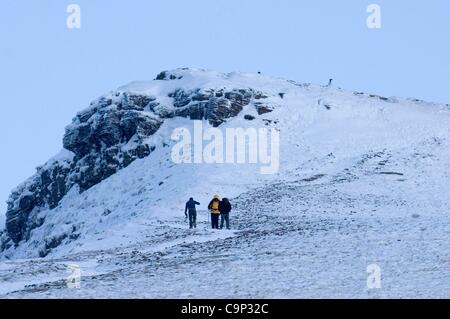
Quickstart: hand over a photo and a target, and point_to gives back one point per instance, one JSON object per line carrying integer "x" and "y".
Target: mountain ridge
{"x": 118, "y": 128}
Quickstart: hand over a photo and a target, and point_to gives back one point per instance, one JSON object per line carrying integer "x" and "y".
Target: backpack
{"x": 215, "y": 205}
{"x": 225, "y": 207}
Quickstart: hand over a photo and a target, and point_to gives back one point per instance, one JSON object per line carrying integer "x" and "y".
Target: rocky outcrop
{"x": 103, "y": 139}
{"x": 108, "y": 136}
{"x": 45, "y": 189}
{"x": 263, "y": 108}
{"x": 167, "y": 76}
{"x": 214, "y": 106}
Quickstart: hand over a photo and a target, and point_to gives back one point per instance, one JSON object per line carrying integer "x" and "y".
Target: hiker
{"x": 225, "y": 209}
{"x": 215, "y": 212}
{"x": 330, "y": 82}
{"x": 190, "y": 207}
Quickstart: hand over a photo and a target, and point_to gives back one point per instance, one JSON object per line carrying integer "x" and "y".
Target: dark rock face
{"x": 46, "y": 188}
{"x": 166, "y": 76}
{"x": 97, "y": 142}
{"x": 106, "y": 137}
{"x": 262, "y": 108}
{"x": 51, "y": 243}
{"x": 215, "y": 106}
{"x": 96, "y": 138}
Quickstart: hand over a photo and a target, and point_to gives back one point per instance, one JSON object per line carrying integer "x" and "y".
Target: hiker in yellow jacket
{"x": 215, "y": 213}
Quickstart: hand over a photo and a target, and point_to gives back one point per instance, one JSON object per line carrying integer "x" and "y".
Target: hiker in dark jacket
{"x": 215, "y": 212}
{"x": 190, "y": 207}
{"x": 225, "y": 209}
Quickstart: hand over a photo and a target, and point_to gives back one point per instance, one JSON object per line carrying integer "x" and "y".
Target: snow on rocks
{"x": 111, "y": 134}
{"x": 353, "y": 179}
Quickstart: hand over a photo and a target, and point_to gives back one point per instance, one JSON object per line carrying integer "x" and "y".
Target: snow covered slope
{"x": 357, "y": 172}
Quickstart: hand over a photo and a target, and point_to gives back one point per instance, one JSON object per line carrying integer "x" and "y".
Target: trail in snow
{"x": 310, "y": 237}
{"x": 363, "y": 180}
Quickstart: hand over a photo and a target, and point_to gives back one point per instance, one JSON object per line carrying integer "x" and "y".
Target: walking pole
{"x": 209, "y": 222}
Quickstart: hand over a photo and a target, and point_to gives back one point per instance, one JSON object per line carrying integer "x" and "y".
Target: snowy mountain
{"x": 362, "y": 179}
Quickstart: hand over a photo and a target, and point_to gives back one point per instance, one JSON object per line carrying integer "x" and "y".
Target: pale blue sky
{"x": 48, "y": 72}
